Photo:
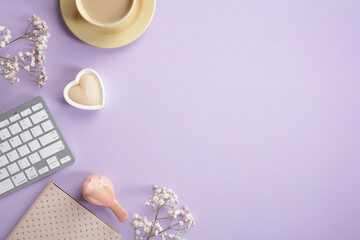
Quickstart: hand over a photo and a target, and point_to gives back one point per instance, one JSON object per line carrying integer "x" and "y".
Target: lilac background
{"x": 249, "y": 110}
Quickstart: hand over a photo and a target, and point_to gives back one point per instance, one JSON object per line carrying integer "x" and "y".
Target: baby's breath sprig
{"x": 29, "y": 61}
{"x": 173, "y": 225}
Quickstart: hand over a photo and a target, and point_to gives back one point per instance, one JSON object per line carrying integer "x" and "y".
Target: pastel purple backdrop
{"x": 249, "y": 110}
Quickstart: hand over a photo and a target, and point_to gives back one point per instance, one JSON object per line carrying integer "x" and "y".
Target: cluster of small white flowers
{"x": 161, "y": 197}
{"x": 30, "y": 61}
{"x": 9, "y": 69}
{"x": 39, "y": 34}
{"x": 171, "y": 236}
{"x": 143, "y": 224}
{"x": 5, "y": 36}
{"x": 179, "y": 220}
{"x": 184, "y": 214}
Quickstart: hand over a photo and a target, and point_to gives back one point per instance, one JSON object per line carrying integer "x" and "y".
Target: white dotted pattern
{"x": 55, "y": 215}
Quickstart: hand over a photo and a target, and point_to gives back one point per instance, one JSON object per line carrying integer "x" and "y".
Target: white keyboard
{"x": 31, "y": 146}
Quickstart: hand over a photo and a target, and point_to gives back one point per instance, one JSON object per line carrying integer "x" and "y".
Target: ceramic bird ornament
{"x": 98, "y": 190}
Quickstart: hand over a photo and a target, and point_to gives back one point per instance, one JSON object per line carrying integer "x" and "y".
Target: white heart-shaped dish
{"x": 76, "y": 82}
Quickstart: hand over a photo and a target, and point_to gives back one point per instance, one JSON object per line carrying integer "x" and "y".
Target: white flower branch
{"x": 29, "y": 61}
{"x": 178, "y": 220}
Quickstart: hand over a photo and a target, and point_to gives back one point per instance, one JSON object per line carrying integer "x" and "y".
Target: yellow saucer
{"x": 108, "y": 38}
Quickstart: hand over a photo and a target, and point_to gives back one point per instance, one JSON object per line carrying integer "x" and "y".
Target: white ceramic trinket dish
{"x": 86, "y": 91}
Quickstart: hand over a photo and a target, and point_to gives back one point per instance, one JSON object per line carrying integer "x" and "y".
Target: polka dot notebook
{"x": 56, "y": 215}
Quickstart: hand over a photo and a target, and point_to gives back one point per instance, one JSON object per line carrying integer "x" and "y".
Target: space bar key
{"x": 51, "y": 149}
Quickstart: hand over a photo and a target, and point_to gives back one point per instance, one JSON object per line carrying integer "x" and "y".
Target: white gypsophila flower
{"x": 164, "y": 199}
{"x": 29, "y": 60}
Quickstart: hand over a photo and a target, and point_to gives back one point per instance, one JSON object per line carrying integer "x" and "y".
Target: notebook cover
{"x": 56, "y": 215}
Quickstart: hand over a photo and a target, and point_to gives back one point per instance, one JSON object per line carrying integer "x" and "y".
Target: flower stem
{"x": 16, "y": 39}
{"x": 169, "y": 228}
{"x": 27, "y": 28}
{"x": 157, "y": 213}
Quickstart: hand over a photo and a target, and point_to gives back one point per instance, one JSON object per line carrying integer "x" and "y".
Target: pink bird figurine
{"x": 98, "y": 190}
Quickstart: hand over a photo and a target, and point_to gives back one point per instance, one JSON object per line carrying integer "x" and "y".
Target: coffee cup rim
{"x": 114, "y": 24}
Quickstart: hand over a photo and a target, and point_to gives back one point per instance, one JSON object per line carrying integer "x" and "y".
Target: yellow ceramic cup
{"x": 105, "y": 24}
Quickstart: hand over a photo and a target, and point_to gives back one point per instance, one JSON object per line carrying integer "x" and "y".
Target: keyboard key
{"x": 15, "y": 141}
{"x": 51, "y": 149}
{"x": 34, "y": 158}
{"x": 4, "y": 147}
{"x": 25, "y": 112}
{"x": 4, "y": 123}
{"x": 26, "y": 136}
{"x": 54, "y": 165}
{"x": 3, "y": 161}
{"x": 49, "y": 137}
{"x": 14, "y": 118}
{"x": 47, "y": 126}
{"x": 15, "y": 128}
{"x": 6, "y": 186}
{"x": 4, "y": 134}
{"x": 3, "y": 173}
{"x": 51, "y": 160}
{"x": 23, "y": 163}
{"x": 13, "y": 155}
{"x": 19, "y": 179}
{"x": 25, "y": 123}
{"x": 65, "y": 159}
{"x": 13, "y": 168}
{"x": 36, "y": 131}
{"x": 43, "y": 170}
{"x": 23, "y": 150}
{"x": 39, "y": 116}
{"x": 37, "y": 107}
{"x": 34, "y": 145}
{"x": 31, "y": 173}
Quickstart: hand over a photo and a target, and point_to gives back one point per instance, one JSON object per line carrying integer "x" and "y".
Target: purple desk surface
{"x": 249, "y": 110}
